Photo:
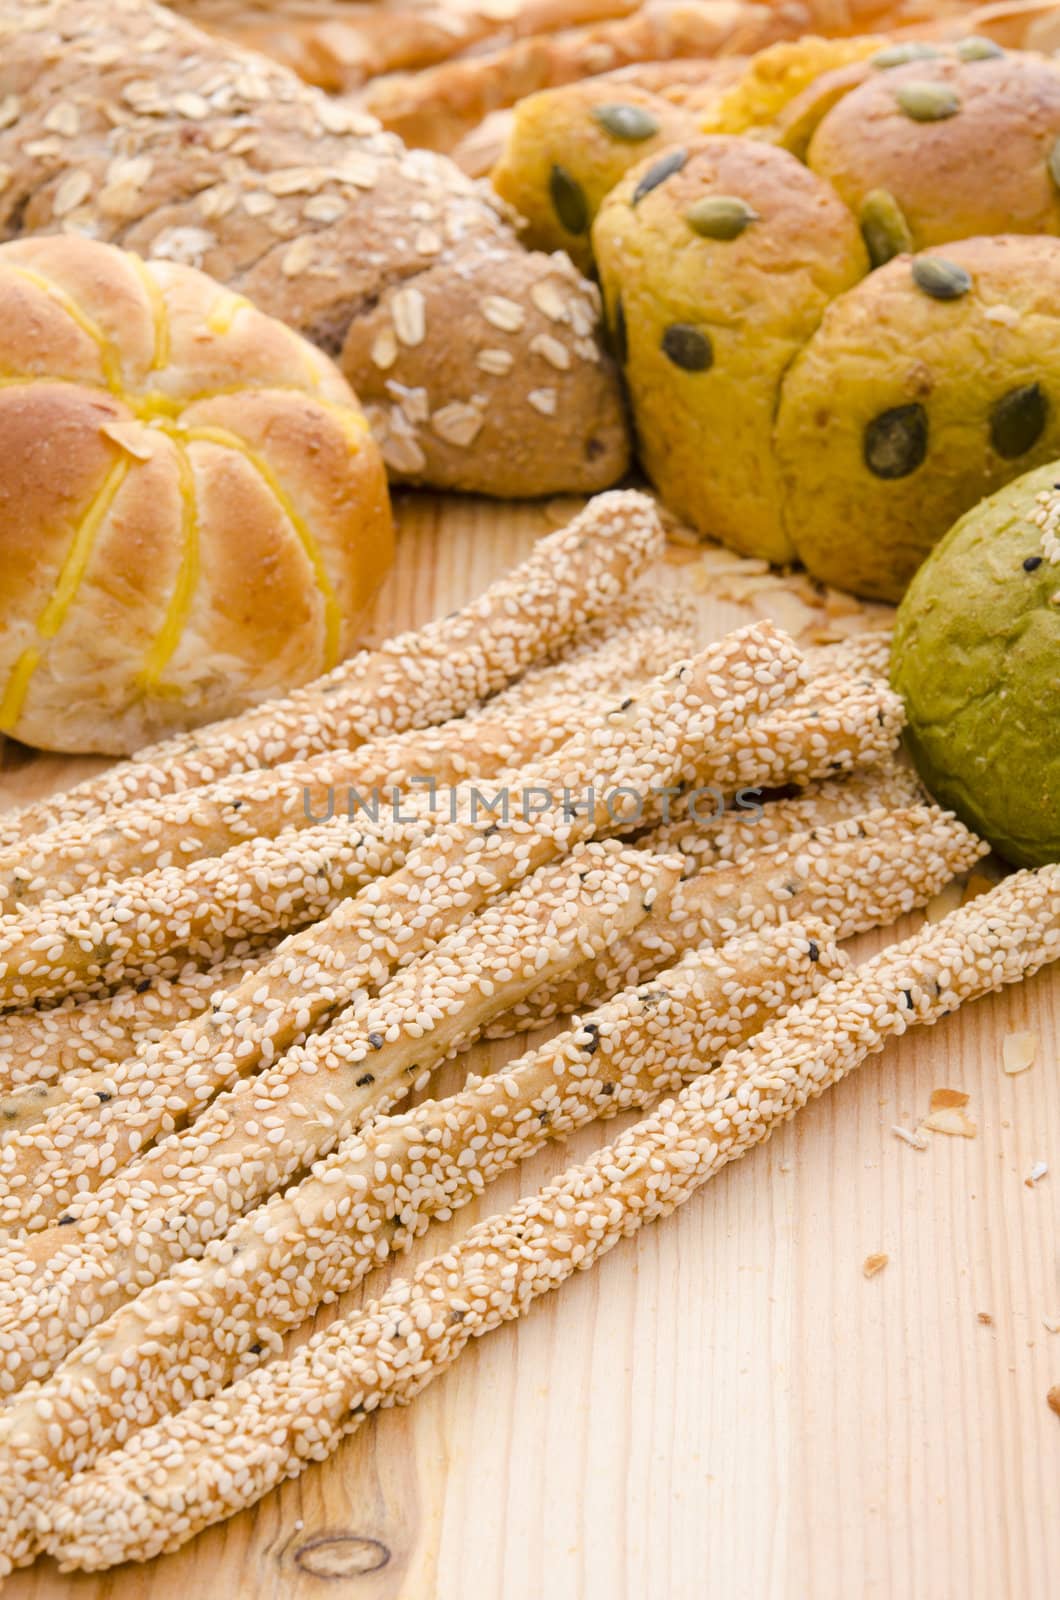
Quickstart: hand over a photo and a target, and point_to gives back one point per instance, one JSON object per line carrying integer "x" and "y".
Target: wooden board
{"x": 725, "y": 1409}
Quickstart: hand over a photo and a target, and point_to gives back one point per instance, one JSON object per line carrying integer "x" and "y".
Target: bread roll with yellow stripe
{"x": 193, "y": 514}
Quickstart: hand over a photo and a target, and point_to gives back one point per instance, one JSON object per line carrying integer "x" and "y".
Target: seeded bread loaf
{"x": 931, "y": 384}
{"x": 124, "y": 122}
{"x": 717, "y": 261}
{"x": 942, "y": 147}
{"x": 193, "y": 514}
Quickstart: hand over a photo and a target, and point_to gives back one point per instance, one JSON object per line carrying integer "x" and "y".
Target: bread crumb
{"x": 947, "y": 1114}
{"x": 1036, "y": 1174}
{"x": 874, "y": 1264}
{"x": 1053, "y": 1398}
{"x": 1051, "y": 1324}
{"x": 1018, "y": 1051}
{"x": 985, "y": 1318}
{"x": 914, "y": 1140}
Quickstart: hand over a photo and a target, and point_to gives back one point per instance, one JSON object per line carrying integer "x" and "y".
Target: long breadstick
{"x": 42, "y": 1053}
{"x": 413, "y": 680}
{"x": 207, "y": 1324}
{"x": 45, "y": 1055}
{"x": 177, "y": 830}
{"x": 863, "y": 872}
{"x": 832, "y": 724}
{"x": 217, "y": 1456}
{"x": 647, "y": 741}
{"x": 732, "y": 833}
{"x": 151, "y": 924}
{"x": 255, "y": 1139}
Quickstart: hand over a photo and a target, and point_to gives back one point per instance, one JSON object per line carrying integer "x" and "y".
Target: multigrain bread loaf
{"x": 124, "y": 122}
{"x": 193, "y": 514}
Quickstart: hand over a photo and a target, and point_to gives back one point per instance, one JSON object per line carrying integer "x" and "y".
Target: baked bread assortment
{"x": 193, "y": 514}
{"x": 786, "y": 400}
{"x": 477, "y": 363}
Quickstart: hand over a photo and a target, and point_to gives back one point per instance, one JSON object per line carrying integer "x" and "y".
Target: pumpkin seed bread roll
{"x": 939, "y": 148}
{"x": 567, "y": 148}
{"x": 931, "y": 384}
{"x": 124, "y": 122}
{"x": 717, "y": 261}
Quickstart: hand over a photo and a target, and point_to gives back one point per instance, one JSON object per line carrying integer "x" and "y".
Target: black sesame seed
{"x": 1032, "y": 563}
{"x": 594, "y": 1042}
{"x": 103, "y": 1097}
{"x": 256, "y": 1349}
{"x": 658, "y": 173}
{"x": 363, "y": 1082}
{"x": 607, "y": 1088}
{"x": 376, "y": 1041}
{"x": 626, "y": 703}
{"x": 65, "y": 1221}
{"x": 815, "y": 950}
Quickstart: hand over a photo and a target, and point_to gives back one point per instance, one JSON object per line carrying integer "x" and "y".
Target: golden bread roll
{"x": 193, "y": 514}
{"x": 717, "y": 261}
{"x": 943, "y": 148}
{"x": 929, "y": 385}
{"x": 567, "y": 149}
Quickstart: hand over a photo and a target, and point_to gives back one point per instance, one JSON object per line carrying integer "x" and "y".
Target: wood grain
{"x": 726, "y": 1408}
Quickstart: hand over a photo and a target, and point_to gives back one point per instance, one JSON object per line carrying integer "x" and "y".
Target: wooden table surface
{"x": 726, "y": 1408}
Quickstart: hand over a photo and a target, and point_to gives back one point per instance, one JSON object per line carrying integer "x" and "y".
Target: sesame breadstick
{"x": 834, "y": 723}
{"x": 648, "y": 741}
{"x": 731, "y": 834}
{"x": 217, "y": 1456}
{"x": 259, "y": 1136}
{"x": 600, "y": 657}
{"x": 413, "y": 680}
{"x": 44, "y": 1054}
{"x": 859, "y": 873}
{"x": 37, "y": 1046}
{"x": 150, "y": 925}
{"x": 863, "y": 654}
{"x": 203, "y": 1326}
{"x": 177, "y": 830}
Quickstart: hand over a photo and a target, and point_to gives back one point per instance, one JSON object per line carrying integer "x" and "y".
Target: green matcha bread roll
{"x": 977, "y": 661}
{"x": 946, "y": 147}
{"x": 930, "y": 384}
{"x": 717, "y": 260}
{"x": 568, "y": 147}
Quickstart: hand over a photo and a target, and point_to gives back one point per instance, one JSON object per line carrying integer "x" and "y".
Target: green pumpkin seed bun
{"x": 929, "y": 385}
{"x": 941, "y": 148}
{"x": 717, "y": 260}
{"x": 567, "y": 147}
{"x": 977, "y": 661}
